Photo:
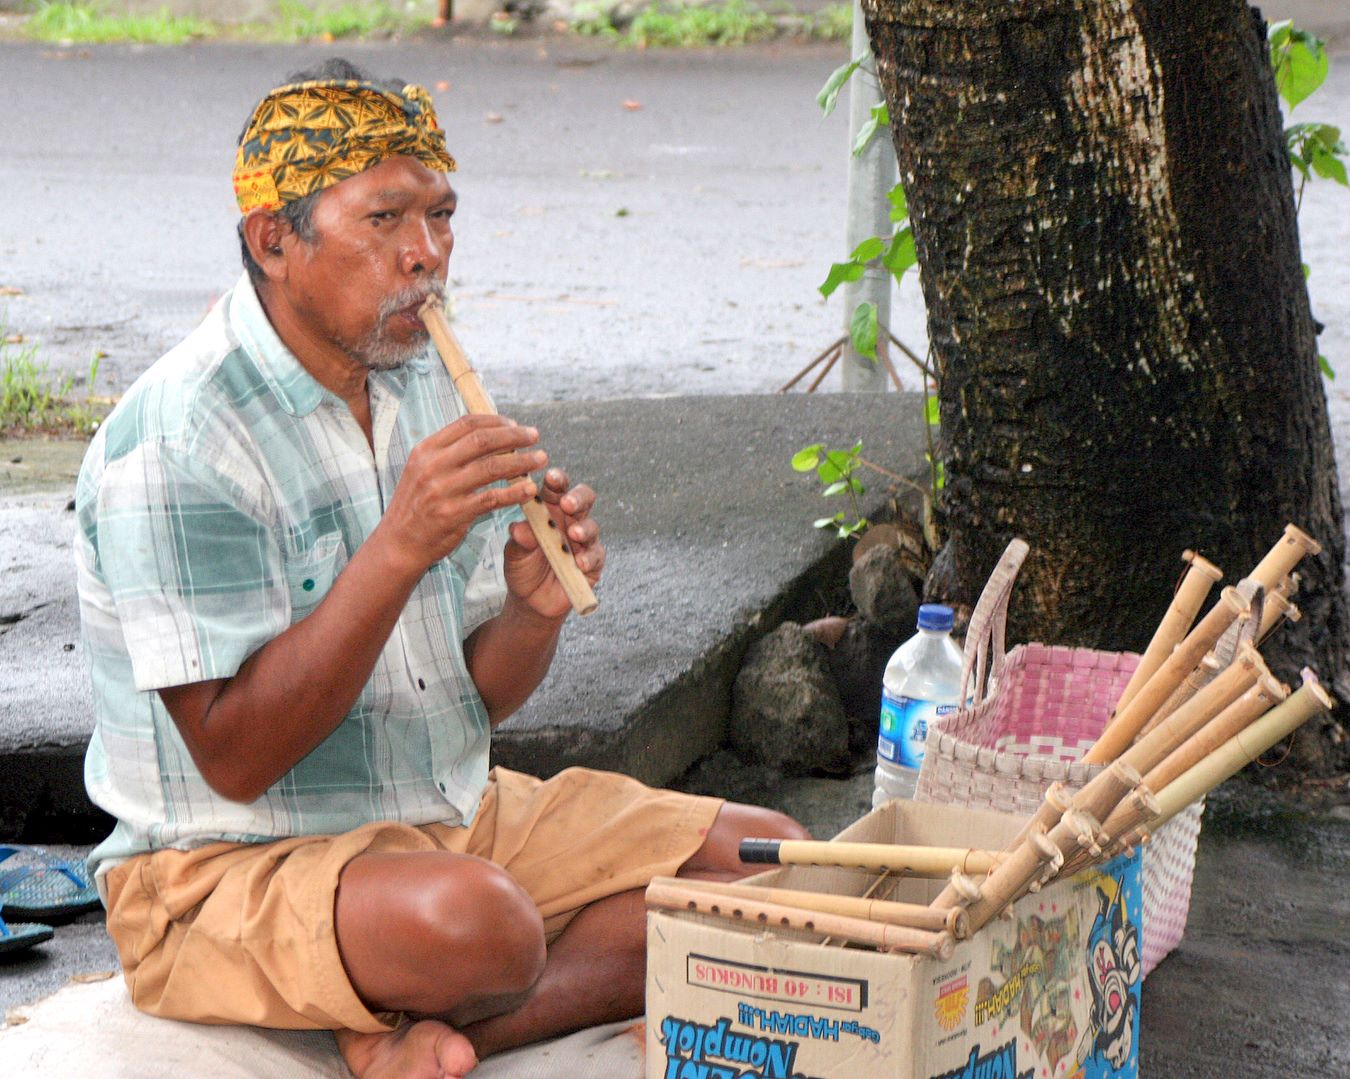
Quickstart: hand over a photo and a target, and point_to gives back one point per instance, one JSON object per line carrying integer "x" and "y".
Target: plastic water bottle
{"x": 922, "y": 681}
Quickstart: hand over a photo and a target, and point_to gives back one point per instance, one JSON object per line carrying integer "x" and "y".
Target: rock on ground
{"x": 785, "y": 709}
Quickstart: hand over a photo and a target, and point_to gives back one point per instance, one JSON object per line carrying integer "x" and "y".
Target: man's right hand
{"x": 448, "y": 484}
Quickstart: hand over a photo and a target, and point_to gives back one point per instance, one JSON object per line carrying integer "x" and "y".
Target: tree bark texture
{"x": 1108, "y": 249}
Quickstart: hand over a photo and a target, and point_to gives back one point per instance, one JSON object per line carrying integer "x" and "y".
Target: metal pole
{"x": 870, "y": 176}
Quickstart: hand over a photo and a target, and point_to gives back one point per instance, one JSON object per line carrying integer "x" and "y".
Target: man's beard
{"x": 378, "y": 350}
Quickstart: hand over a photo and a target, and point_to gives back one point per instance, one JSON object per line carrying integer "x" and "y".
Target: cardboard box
{"x": 1052, "y": 993}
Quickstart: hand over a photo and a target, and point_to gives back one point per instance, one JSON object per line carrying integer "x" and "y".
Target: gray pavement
{"x": 117, "y": 226}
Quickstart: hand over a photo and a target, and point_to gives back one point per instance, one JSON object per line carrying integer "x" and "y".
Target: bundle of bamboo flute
{"x": 1200, "y": 706}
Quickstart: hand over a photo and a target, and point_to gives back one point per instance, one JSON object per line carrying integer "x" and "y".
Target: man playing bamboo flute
{"x": 307, "y": 597}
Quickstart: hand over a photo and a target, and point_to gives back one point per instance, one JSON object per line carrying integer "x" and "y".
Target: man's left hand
{"x": 529, "y": 578}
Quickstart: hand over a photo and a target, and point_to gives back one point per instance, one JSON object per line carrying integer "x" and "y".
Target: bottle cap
{"x": 936, "y": 616}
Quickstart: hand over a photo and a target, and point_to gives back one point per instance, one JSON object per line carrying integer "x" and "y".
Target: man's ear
{"x": 266, "y": 235}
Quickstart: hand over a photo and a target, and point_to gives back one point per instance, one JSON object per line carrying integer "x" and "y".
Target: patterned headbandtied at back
{"x": 308, "y": 136}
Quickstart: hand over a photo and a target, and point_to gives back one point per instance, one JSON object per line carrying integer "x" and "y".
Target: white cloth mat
{"x": 91, "y": 1030}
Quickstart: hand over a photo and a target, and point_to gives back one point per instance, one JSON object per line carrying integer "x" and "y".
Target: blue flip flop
{"x": 17, "y": 937}
{"x": 37, "y": 886}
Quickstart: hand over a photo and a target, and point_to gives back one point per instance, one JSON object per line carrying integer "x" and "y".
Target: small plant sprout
{"x": 1300, "y": 65}
{"x": 837, "y": 470}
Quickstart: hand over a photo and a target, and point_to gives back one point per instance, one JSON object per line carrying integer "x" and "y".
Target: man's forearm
{"x": 509, "y": 655}
{"x": 247, "y": 731}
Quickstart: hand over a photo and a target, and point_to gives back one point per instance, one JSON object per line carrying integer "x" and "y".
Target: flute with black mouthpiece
{"x": 546, "y": 531}
{"x": 913, "y": 861}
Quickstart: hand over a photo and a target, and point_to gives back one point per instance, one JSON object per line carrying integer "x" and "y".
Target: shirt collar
{"x": 295, "y": 388}
{"x": 298, "y": 392}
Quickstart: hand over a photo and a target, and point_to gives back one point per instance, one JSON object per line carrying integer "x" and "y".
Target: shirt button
{"x": 421, "y": 684}
{"x": 308, "y": 584}
{"x": 442, "y": 787}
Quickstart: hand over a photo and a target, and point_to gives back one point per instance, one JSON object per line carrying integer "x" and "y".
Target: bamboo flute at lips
{"x": 1147, "y": 748}
{"x": 545, "y": 529}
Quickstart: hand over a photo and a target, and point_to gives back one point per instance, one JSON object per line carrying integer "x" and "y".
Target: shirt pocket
{"x": 310, "y": 574}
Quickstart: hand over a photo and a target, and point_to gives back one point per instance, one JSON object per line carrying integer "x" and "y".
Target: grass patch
{"x": 663, "y": 23}
{"x": 297, "y": 21}
{"x": 834, "y": 22}
{"x": 35, "y": 401}
{"x": 90, "y": 22}
{"x": 685, "y": 25}
{"x": 680, "y": 24}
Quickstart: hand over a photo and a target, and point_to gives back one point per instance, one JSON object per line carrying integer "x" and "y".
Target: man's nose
{"x": 422, "y": 252}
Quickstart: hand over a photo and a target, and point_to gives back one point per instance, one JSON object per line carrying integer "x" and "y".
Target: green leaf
{"x": 839, "y": 273}
{"x": 900, "y": 255}
{"x": 865, "y": 134}
{"x": 1277, "y": 33}
{"x": 932, "y": 410}
{"x": 1307, "y": 271}
{"x": 838, "y": 487}
{"x": 1325, "y": 365}
{"x": 1302, "y": 67}
{"x": 878, "y": 121}
{"x": 806, "y": 458}
{"x": 1327, "y": 165}
{"x": 829, "y": 93}
{"x": 1329, "y": 136}
{"x": 863, "y": 330}
{"x": 939, "y": 476}
{"x": 899, "y": 205}
{"x": 867, "y": 250}
{"x": 828, "y": 471}
{"x": 842, "y": 460}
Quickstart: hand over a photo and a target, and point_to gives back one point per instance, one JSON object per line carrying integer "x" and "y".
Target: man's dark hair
{"x": 299, "y": 215}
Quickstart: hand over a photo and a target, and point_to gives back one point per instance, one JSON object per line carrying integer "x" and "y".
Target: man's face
{"x": 381, "y": 245}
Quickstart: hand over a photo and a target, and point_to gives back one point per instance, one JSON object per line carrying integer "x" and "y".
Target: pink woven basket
{"x": 1033, "y": 713}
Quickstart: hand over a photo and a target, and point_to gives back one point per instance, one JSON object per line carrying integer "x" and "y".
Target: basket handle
{"x": 986, "y": 642}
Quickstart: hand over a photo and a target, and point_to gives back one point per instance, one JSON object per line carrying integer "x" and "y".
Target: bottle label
{"x": 904, "y": 728}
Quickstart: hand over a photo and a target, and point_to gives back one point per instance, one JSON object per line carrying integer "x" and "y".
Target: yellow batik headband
{"x": 308, "y": 136}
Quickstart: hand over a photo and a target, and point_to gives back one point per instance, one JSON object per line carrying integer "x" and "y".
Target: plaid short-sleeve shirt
{"x": 216, "y": 506}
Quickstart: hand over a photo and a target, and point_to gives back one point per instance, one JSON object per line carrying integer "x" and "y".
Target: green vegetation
{"x": 732, "y": 23}
{"x": 663, "y": 23}
{"x": 686, "y": 25}
{"x": 87, "y": 21}
{"x": 1300, "y": 64}
{"x": 297, "y": 21}
{"x": 34, "y": 401}
{"x": 834, "y": 22}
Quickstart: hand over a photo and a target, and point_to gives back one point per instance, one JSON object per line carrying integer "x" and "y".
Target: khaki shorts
{"x": 243, "y": 933}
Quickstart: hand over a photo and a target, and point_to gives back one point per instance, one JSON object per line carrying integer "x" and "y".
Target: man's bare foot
{"x": 423, "y": 1050}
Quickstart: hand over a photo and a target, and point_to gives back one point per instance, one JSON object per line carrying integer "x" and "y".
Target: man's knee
{"x": 479, "y": 916}
{"x": 429, "y": 931}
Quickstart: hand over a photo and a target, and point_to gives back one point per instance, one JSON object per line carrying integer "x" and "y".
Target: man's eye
{"x": 382, "y": 215}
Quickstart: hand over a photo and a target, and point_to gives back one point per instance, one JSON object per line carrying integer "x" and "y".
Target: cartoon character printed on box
{"x": 1114, "y": 978}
